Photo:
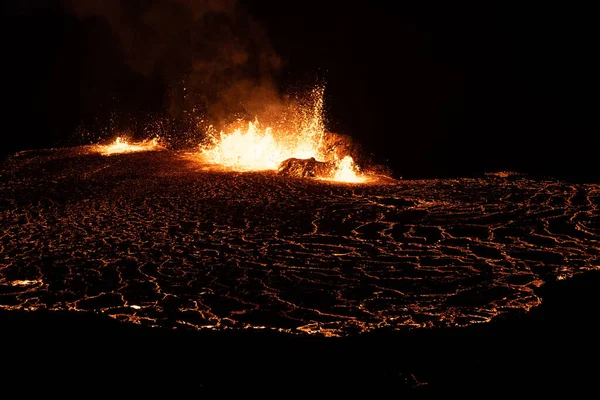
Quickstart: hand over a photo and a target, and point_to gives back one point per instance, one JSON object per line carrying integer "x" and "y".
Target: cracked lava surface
{"x": 158, "y": 239}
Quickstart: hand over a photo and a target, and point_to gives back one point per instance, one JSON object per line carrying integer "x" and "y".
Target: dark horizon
{"x": 429, "y": 90}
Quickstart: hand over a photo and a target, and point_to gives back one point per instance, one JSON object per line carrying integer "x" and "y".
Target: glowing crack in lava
{"x": 252, "y": 147}
{"x": 122, "y": 145}
{"x": 154, "y": 242}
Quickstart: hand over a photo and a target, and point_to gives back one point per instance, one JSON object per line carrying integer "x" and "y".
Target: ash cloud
{"x": 211, "y": 57}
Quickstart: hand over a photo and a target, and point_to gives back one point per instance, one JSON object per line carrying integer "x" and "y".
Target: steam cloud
{"x": 213, "y": 58}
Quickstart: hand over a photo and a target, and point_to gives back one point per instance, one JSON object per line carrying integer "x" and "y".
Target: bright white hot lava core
{"x": 122, "y": 145}
{"x": 300, "y": 134}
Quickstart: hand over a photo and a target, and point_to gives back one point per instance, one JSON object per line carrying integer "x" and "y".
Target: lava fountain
{"x": 123, "y": 145}
{"x": 300, "y": 134}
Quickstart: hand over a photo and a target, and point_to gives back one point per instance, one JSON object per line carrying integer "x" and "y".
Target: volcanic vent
{"x": 296, "y": 144}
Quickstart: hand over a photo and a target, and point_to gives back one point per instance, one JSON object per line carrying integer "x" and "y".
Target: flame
{"x": 122, "y": 145}
{"x": 252, "y": 147}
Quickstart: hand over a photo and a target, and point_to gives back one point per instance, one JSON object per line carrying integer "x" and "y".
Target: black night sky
{"x": 428, "y": 89}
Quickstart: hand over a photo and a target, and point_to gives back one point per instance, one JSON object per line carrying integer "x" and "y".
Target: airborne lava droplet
{"x": 298, "y": 135}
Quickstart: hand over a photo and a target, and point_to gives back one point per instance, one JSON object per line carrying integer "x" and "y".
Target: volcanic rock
{"x": 306, "y": 168}
{"x": 152, "y": 238}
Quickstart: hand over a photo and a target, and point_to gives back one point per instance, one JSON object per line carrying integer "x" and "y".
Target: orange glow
{"x": 252, "y": 147}
{"x": 256, "y": 149}
{"x": 122, "y": 145}
{"x": 25, "y": 282}
{"x": 348, "y": 171}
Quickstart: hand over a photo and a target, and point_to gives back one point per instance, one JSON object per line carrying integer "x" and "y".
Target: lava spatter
{"x": 298, "y": 134}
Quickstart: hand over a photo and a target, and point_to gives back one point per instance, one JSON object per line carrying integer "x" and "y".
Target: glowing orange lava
{"x": 122, "y": 145}
{"x": 347, "y": 171}
{"x": 253, "y": 147}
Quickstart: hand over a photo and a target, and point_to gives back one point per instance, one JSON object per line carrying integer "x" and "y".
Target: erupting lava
{"x": 122, "y": 145}
{"x": 256, "y": 148}
{"x": 347, "y": 171}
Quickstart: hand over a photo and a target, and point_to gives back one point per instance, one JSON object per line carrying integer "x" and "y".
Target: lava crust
{"x": 158, "y": 239}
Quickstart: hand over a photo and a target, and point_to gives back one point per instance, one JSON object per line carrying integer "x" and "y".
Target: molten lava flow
{"x": 122, "y": 145}
{"x": 255, "y": 149}
{"x": 299, "y": 135}
{"x": 347, "y": 171}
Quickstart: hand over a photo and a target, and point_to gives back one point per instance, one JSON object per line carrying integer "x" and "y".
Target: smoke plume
{"x": 212, "y": 57}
